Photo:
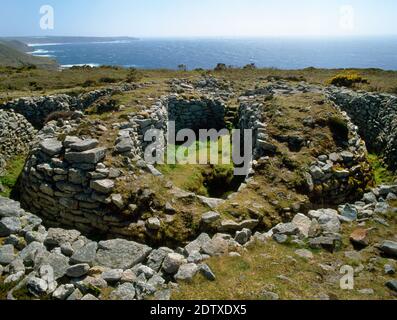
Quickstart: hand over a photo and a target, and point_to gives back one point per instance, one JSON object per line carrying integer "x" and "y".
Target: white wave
{"x": 40, "y": 51}
{"x": 88, "y": 42}
{"x": 92, "y": 65}
{"x": 45, "y": 44}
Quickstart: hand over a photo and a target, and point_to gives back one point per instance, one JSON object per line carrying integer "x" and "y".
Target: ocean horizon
{"x": 280, "y": 53}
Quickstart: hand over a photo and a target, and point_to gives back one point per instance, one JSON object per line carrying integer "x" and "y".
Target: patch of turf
{"x": 12, "y": 172}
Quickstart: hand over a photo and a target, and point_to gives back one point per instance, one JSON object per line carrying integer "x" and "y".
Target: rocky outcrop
{"x": 376, "y": 117}
{"x": 16, "y": 133}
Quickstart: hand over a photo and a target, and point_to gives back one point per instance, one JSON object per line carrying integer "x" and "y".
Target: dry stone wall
{"x": 375, "y": 115}
{"x": 333, "y": 178}
{"x": 36, "y": 109}
{"x": 15, "y": 135}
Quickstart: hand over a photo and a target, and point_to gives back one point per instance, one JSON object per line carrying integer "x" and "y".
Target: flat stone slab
{"x": 90, "y": 156}
{"x": 121, "y": 254}
{"x": 105, "y": 186}
{"x": 85, "y": 254}
{"x": 84, "y": 145}
{"x": 51, "y": 146}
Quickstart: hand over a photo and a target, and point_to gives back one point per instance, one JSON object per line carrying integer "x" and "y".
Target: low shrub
{"x": 108, "y": 80}
{"x": 347, "y": 79}
{"x": 88, "y": 83}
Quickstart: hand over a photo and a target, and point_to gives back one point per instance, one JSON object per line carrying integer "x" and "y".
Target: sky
{"x": 201, "y": 18}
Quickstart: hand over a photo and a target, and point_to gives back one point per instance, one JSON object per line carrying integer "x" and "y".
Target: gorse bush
{"x": 347, "y": 79}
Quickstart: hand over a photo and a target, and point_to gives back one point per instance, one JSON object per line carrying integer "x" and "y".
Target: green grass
{"x": 203, "y": 179}
{"x": 381, "y": 173}
{"x": 12, "y": 172}
{"x": 259, "y": 268}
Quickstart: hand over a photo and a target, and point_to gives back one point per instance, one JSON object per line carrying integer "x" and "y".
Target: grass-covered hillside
{"x": 12, "y": 54}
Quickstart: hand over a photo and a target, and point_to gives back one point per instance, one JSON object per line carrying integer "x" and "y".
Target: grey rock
{"x": 153, "y": 223}
{"x": 163, "y": 295}
{"x": 58, "y": 262}
{"x": 84, "y": 145}
{"x": 382, "y": 208}
{"x": 51, "y": 146}
{"x": 228, "y": 226}
{"x": 121, "y": 254}
{"x": 91, "y": 156}
{"x": 370, "y": 197}
{"x": 89, "y": 297}
{"x": 368, "y": 292}
{"x": 172, "y": 262}
{"x": 112, "y": 276}
{"x": 392, "y": 285}
{"x": 330, "y": 243}
{"x": 349, "y": 212}
{"x": 125, "y": 291}
{"x": 14, "y": 278}
{"x": 156, "y": 281}
{"x": 37, "y": 286}
{"x": 195, "y": 257}
{"x": 280, "y": 238}
{"x": 216, "y": 247}
{"x": 206, "y": 271}
{"x": 77, "y": 270}
{"x": 303, "y": 223}
{"x": 288, "y": 229}
{"x": 7, "y": 254}
{"x": 104, "y": 186}
{"x": 124, "y": 145}
{"x": 56, "y": 237}
{"x": 9, "y": 225}
{"x": 389, "y": 269}
{"x": 34, "y": 236}
{"x": 329, "y": 222}
{"x": 146, "y": 271}
{"x": 30, "y": 251}
{"x": 85, "y": 254}
{"x": 242, "y": 237}
{"x": 389, "y": 248}
{"x": 197, "y": 244}
{"x": 210, "y": 217}
{"x": 63, "y": 292}
{"x": 75, "y": 295}
{"x": 16, "y": 266}
{"x": 67, "y": 249}
{"x": 186, "y": 272}
{"x": 117, "y": 199}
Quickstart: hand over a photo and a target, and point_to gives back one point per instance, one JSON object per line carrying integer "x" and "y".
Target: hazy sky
{"x": 184, "y": 18}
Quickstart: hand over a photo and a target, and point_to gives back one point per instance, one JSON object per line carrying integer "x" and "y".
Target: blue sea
{"x": 282, "y": 53}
